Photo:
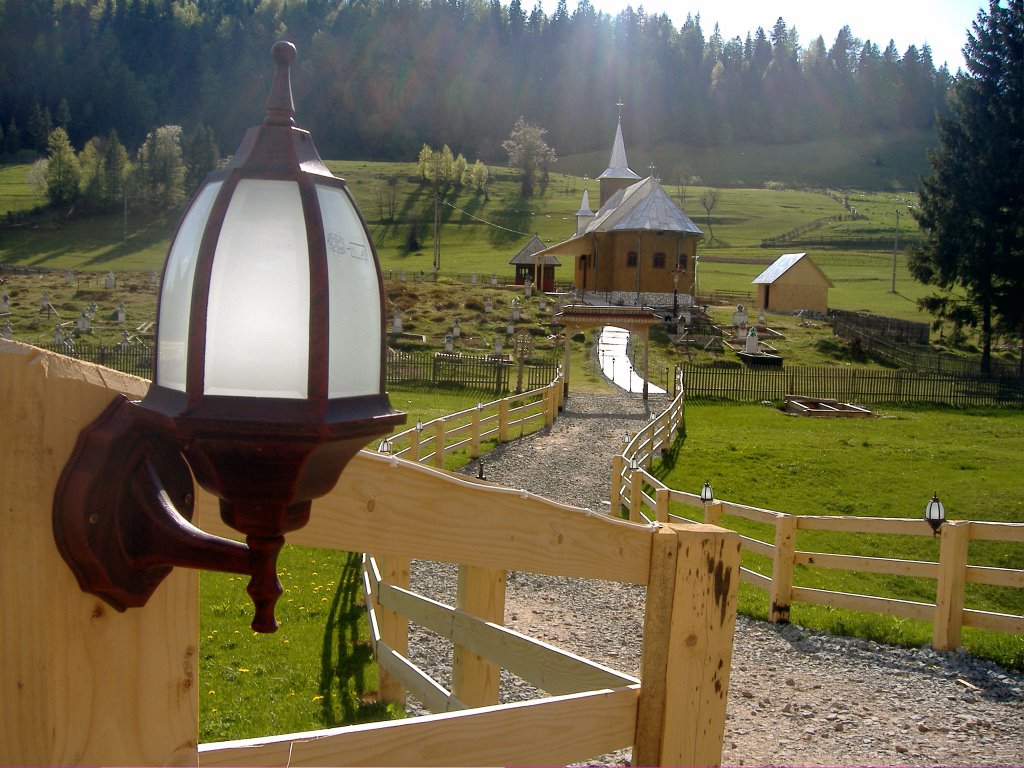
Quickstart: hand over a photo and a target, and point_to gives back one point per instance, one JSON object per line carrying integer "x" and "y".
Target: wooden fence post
{"x": 949, "y": 590}
{"x": 439, "y": 443}
{"x": 636, "y": 488}
{"x": 474, "y": 440}
{"x": 713, "y": 513}
{"x": 687, "y": 651}
{"x": 414, "y": 445}
{"x": 480, "y": 593}
{"x": 394, "y": 628}
{"x": 550, "y": 407}
{"x": 503, "y": 420}
{"x": 662, "y": 497}
{"x": 781, "y": 592}
{"x": 618, "y": 462}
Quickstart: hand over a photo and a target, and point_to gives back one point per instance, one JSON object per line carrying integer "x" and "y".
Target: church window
{"x": 659, "y": 260}
{"x": 631, "y": 259}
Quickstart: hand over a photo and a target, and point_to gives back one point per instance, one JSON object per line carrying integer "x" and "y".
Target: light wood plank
{"x": 425, "y": 513}
{"x": 757, "y": 546}
{"x": 433, "y": 696}
{"x": 754, "y": 514}
{"x": 553, "y": 731}
{"x": 997, "y": 577}
{"x": 892, "y": 525}
{"x": 985, "y": 531}
{"x": 917, "y": 568}
{"x": 905, "y": 608}
{"x": 755, "y": 578}
{"x": 999, "y": 622}
{"x": 82, "y": 683}
{"x": 481, "y": 594}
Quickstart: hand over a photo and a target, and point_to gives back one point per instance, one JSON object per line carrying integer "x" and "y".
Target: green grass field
{"x": 881, "y": 467}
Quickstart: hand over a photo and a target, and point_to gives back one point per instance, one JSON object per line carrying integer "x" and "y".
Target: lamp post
{"x": 935, "y": 513}
{"x": 264, "y": 410}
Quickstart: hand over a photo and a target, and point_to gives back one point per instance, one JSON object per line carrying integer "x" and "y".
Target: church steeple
{"x": 584, "y": 215}
{"x": 617, "y": 175}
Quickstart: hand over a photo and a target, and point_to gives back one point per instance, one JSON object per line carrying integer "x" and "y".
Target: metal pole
{"x": 895, "y": 247}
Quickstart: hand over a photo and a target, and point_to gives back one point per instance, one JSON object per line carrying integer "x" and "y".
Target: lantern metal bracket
{"x": 122, "y": 517}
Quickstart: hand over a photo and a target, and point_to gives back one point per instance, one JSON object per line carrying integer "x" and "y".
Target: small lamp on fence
{"x": 419, "y": 425}
{"x": 265, "y": 410}
{"x": 634, "y": 465}
{"x": 707, "y": 495}
{"x": 384, "y": 447}
{"x": 935, "y": 513}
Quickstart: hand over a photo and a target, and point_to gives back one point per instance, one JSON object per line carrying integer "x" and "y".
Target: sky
{"x": 943, "y": 24}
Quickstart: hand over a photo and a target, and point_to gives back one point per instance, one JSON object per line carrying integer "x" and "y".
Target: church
{"x": 639, "y": 248}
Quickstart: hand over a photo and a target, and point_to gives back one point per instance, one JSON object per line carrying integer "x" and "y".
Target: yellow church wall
{"x": 607, "y": 266}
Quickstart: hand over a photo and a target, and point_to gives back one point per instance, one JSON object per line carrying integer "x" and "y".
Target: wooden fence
{"x": 923, "y": 360}
{"x": 136, "y": 359}
{"x": 95, "y": 686}
{"x": 892, "y": 328}
{"x": 850, "y": 385}
{"x": 500, "y": 420}
{"x": 490, "y": 372}
{"x": 646, "y": 499}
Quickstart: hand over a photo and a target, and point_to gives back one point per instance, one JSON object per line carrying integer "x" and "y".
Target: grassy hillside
{"x": 480, "y": 233}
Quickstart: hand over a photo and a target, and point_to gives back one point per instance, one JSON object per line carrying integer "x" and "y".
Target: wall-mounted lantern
{"x": 707, "y": 495}
{"x": 265, "y": 410}
{"x": 935, "y": 513}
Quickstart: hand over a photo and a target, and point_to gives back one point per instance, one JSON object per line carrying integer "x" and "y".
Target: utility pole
{"x": 895, "y": 247}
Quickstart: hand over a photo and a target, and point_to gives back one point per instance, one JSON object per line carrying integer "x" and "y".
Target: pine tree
{"x": 972, "y": 206}
{"x": 62, "y": 170}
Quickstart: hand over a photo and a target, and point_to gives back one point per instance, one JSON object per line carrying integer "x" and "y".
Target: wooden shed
{"x": 529, "y": 261}
{"x": 792, "y": 283}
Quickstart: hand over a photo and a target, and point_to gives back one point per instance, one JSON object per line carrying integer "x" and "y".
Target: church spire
{"x": 617, "y": 174}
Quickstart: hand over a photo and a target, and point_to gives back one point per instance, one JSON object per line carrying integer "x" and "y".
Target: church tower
{"x": 617, "y": 175}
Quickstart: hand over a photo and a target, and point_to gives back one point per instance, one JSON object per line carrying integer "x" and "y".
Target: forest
{"x": 376, "y": 79}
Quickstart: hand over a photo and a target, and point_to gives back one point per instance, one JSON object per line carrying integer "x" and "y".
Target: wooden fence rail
{"x": 647, "y": 499}
{"x": 853, "y": 385}
{"x": 500, "y": 420}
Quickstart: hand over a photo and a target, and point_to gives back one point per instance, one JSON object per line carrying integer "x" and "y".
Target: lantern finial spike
{"x": 280, "y": 107}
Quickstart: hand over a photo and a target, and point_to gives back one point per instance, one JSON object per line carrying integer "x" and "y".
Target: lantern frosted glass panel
{"x": 176, "y": 294}
{"x": 355, "y": 299}
{"x": 257, "y": 327}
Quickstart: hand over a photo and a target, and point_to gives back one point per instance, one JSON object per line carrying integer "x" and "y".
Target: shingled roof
{"x": 642, "y": 206}
{"x": 526, "y": 254}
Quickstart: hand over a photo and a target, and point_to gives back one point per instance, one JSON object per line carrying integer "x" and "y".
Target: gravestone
{"x": 516, "y": 309}
{"x": 69, "y": 277}
{"x": 494, "y": 279}
{"x": 83, "y": 321}
{"x": 751, "y": 345}
{"x": 449, "y": 344}
{"x": 44, "y": 301}
{"x": 7, "y": 332}
{"x": 528, "y": 290}
{"x": 109, "y": 281}
{"x": 739, "y": 317}
{"x": 456, "y": 329}
{"x": 5, "y": 304}
{"x": 121, "y": 312}
{"x": 396, "y": 322}
{"x": 126, "y": 341}
{"x": 58, "y": 335}
{"x": 488, "y": 307}
{"x": 154, "y": 277}
{"x": 472, "y": 279}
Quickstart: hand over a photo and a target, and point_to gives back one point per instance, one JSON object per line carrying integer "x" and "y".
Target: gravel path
{"x": 796, "y": 697}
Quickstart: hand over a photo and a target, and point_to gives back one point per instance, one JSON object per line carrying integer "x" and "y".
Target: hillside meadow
{"x": 481, "y": 232}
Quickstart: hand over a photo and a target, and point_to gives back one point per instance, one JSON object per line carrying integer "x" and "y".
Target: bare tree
{"x": 709, "y": 200}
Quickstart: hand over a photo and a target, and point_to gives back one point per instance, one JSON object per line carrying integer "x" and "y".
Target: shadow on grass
{"x": 670, "y": 456}
{"x": 345, "y": 658}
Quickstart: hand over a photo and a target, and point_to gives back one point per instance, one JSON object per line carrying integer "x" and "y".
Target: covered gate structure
{"x": 579, "y": 317}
